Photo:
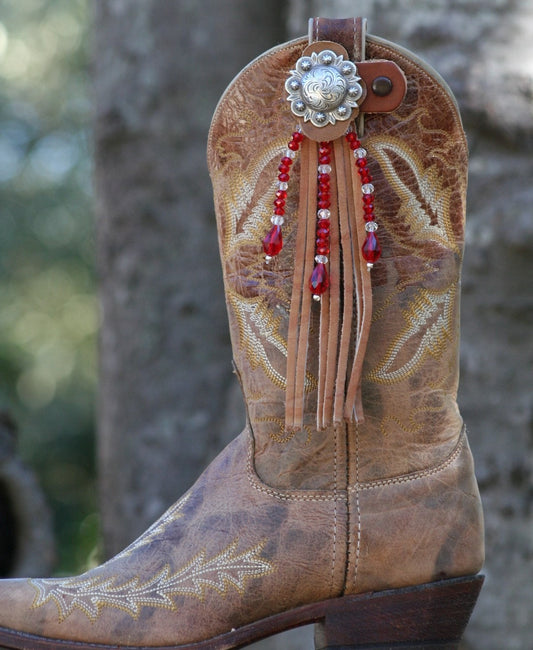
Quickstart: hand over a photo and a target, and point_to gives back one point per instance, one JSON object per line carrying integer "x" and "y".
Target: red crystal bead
{"x": 351, "y": 137}
{"x": 361, "y": 162}
{"x": 297, "y": 136}
{"x": 293, "y": 145}
{"x": 369, "y": 216}
{"x": 286, "y": 161}
{"x": 323, "y": 204}
{"x": 279, "y": 203}
{"x": 322, "y": 248}
{"x": 322, "y": 233}
{"x": 324, "y": 178}
{"x": 319, "y": 281}
{"x": 279, "y": 211}
{"x": 283, "y": 177}
{"x": 284, "y": 169}
{"x": 323, "y": 224}
{"x": 368, "y": 198}
{"x": 281, "y": 194}
{"x": 371, "y": 249}
{"x": 273, "y": 242}
{"x": 325, "y": 159}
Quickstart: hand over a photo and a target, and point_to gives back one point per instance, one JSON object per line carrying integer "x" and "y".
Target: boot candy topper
{"x": 327, "y": 92}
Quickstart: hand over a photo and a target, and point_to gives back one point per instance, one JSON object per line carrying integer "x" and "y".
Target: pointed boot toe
{"x": 349, "y": 501}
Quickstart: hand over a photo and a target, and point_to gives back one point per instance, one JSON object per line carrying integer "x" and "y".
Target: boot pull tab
{"x": 384, "y": 81}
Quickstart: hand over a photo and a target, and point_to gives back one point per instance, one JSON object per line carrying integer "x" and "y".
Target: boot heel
{"x": 431, "y": 616}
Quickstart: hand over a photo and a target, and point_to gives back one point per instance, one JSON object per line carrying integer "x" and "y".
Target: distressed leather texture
{"x": 283, "y": 519}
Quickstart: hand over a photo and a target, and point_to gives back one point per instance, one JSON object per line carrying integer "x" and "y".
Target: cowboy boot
{"x": 349, "y": 500}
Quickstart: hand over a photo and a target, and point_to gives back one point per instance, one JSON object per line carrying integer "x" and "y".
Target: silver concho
{"x": 323, "y": 88}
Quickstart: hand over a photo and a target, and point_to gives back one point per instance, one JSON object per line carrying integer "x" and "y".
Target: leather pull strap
{"x": 349, "y": 32}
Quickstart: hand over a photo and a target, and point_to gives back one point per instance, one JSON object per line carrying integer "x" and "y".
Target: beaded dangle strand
{"x": 273, "y": 241}
{"x": 319, "y": 281}
{"x": 371, "y": 249}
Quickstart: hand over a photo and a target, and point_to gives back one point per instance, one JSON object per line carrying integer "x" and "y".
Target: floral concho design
{"x": 324, "y": 88}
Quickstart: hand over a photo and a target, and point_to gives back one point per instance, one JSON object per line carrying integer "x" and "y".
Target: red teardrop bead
{"x": 273, "y": 242}
{"x": 371, "y": 249}
{"x": 319, "y": 281}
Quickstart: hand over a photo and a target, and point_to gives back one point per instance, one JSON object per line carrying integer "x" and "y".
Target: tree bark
{"x": 165, "y": 359}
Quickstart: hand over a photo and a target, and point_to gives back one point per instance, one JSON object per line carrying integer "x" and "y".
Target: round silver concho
{"x": 323, "y": 88}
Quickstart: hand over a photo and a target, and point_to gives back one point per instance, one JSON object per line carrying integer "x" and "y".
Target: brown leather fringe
{"x": 329, "y": 321}
{"x": 300, "y": 314}
{"x": 344, "y": 200}
{"x": 353, "y": 403}
{"x": 341, "y": 341}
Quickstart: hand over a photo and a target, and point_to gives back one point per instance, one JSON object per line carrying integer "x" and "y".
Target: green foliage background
{"x": 48, "y": 311}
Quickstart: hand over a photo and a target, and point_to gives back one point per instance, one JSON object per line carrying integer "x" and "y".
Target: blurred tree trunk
{"x": 166, "y": 401}
{"x": 165, "y": 358}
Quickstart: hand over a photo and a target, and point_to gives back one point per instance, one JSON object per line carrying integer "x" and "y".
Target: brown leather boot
{"x": 349, "y": 500}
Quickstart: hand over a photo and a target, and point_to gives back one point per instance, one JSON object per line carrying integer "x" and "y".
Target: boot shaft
{"x": 417, "y": 157}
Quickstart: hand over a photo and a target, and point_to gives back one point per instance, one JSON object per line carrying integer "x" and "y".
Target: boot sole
{"x": 432, "y": 616}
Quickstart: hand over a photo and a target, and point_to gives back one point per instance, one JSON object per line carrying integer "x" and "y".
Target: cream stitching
{"x": 336, "y": 479}
{"x": 316, "y": 28}
{"x": 282, "y": 495}
{"x": 354, "y": 53}
{"x": 415, "y": 476}
{"x": 357, "y": 505}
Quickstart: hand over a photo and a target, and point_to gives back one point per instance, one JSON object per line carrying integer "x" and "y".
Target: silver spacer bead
{"x": 369, "y": 266}
{"x": 277, "y": 219}
{"x": 370, "y": 226}
{"x": 324, "y": 169}
{"x": 323, "y": 213}
{"x": 267, "y": 259}
{"x": 316, "y": 297}
{"x": 367, "y": 188}
{"x": 360, "y": 153}
{"x": 321, "y": 259}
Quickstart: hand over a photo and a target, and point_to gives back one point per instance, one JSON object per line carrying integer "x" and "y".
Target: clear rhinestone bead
{"x": 367, "y": 188}
{"x": 324, "y": 169}
{"x": 323, "y": 213}
{"x": 321, "y": 259}
{"x": 283, "y": 186}
{"x": 290, "y": 153}
{"x": 277, "y": 220}
{"x": 360, "y": 153}
{"x": 370, "y": 226}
